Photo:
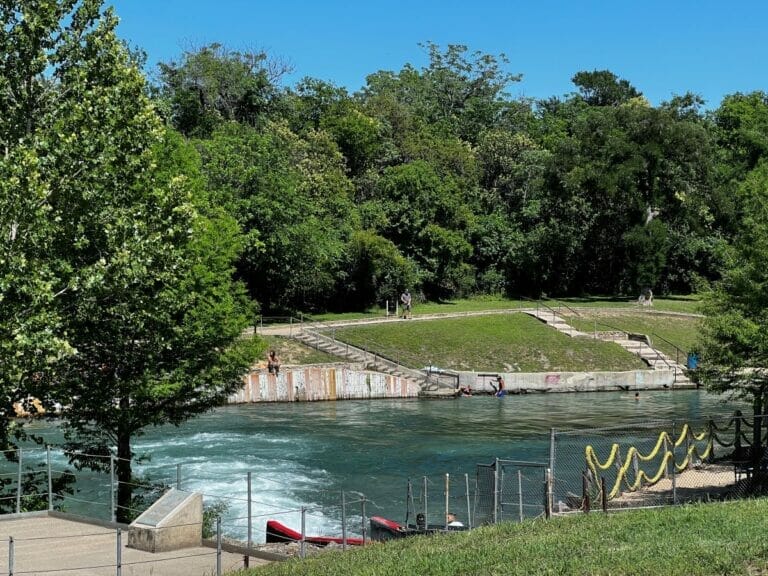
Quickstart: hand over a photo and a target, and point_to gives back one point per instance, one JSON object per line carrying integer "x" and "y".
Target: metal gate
{"x": 510, "y": 490}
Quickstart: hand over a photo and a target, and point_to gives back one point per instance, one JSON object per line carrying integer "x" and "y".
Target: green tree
{"x": 734, "y": 347}
{"x": 212, "y": 84}
{"x": 293, "y": 199}
{"x": 137, "y": 265}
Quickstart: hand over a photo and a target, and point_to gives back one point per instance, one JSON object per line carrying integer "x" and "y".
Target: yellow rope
{"x": 642, "y": 477}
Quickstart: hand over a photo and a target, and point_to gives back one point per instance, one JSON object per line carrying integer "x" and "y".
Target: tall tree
{"x": 735, "y": 335}
{"x": 136, "y": 265}
{"x": 213, "y": 84}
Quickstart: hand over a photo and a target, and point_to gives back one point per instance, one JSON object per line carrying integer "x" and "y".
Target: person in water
{"x": 465, "y": 391}
{"x": 499, "y": 390}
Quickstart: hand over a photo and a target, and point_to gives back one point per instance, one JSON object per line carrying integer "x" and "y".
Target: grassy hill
{"x": 705, "y": 540}
{"x": 495, "y": 343}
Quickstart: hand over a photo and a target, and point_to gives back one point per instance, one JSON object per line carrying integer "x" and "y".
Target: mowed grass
{"x": 698, "y": 540}
{"x": 494, "y": 343}
{"x": 675, "y": 336}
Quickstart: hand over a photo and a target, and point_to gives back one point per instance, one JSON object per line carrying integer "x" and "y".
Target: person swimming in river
{"x": 499, "y": 390}
{"x": 464, "y": 391}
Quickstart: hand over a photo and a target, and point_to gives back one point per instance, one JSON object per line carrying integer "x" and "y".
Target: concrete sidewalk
{"x": 48, "y": 545}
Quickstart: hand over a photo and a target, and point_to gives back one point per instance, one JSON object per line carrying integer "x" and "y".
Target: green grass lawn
{"x": 675, "y": 336}
{"x": 698, "y": 540}
{"x": 496, "y": 343}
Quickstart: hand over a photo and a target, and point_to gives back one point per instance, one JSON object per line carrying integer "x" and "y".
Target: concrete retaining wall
{"x": 315, "y": 383}
{"x": 517, "y": 382}
{"x": 338, "y": 382}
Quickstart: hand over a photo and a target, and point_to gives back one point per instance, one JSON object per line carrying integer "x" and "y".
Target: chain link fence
{"x": 655, "y": 463}
{"x": 659, "y": 463}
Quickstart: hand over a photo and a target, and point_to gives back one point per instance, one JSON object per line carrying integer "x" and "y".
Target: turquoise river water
{"x": 305, "y": 454}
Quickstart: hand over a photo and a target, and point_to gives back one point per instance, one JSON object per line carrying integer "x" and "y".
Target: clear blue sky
{"x": 663, "y": 47}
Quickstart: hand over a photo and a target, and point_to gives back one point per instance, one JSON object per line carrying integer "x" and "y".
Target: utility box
{"x": 175, "y": 521}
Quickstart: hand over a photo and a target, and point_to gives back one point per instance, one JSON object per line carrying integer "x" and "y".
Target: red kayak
{"x": 278, "y": 532}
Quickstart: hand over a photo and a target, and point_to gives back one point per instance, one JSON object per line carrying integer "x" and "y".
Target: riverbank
{"x": 724, "y": 538}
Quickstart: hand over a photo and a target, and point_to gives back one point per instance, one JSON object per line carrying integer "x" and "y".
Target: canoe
{"x": 277, "y": 532}
{"x": 385, "y": 529}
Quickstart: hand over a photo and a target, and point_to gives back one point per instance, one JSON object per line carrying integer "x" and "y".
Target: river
{"x": 305, "y": 454}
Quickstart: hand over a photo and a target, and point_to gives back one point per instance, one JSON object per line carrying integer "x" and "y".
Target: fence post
{"x": 674, "y": 465}
{"x": 469, "y": 508}
{"x": 10, "y": 556}
{"x": 18, "y": 485}
{"x": 119, "y": 553}
{"x": 603, "y": 494}
{"x": 426, "y": 518}
{"x": 548, "y": 493}
{"x": 50, "y": 479}
{"x": 447, "y": 497}
{"x": 585, "y": 492}
{"x": 250, "y": 525}
{"x": 178, "y": 476}
{"x": 520, "y": 492}
{"x": 552, "y": 439}
{"x": 362, "y": 506}
{"x": 737, "y": 437}
{"x": 496, "y": 491}
{"x": 218, "y": 545}
{"x": 343, "y": 521}
{"x": 112, "y": 486}
{"x": 303, "y": 531}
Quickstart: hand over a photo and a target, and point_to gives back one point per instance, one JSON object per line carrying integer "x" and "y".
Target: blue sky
{"x": 662, "y": 47}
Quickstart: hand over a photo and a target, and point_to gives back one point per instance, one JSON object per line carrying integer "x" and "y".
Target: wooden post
{"x": 603, "y": 494}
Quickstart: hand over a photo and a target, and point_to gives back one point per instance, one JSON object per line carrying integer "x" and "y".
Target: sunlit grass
{"x": 675, "y": 336}
{"x": 697, "y": 540}
{"x": 494, "y": 343}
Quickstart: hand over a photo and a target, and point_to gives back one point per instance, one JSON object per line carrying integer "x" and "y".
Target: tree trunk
{"x": 124, "y": 487}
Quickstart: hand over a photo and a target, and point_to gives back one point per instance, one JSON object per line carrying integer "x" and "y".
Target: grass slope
{"x": 293, "y": 352}
{"x": 698, "y": 540}
{"x": 668, "y": 333}
{"x": 497, "y": 343}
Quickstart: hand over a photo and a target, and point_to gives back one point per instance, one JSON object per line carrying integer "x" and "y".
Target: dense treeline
{"x": 436, "y": 179}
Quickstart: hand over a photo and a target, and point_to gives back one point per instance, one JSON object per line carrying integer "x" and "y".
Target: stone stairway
{"x": 370, "y": 360}
{"x": 550, "y": 318}
{"x": 656, "y": 359}
{"x": 637, "y": 345}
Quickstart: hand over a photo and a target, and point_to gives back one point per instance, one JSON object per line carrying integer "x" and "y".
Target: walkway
{"x": 50, "y": 545}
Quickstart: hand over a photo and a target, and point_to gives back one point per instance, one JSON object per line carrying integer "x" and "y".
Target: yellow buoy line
{"x": 664, "y": 448}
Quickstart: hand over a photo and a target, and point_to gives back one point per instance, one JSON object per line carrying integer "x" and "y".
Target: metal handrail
{"x": 678, "y": 350}
{"x": 316, "y": 327}
{"x": 659, "y": 355}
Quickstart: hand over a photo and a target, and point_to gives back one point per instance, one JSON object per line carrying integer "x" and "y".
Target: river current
{"x": 305, "y": 454}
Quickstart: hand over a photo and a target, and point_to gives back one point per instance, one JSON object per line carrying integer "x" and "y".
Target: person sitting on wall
{"x": 273, "y": 363}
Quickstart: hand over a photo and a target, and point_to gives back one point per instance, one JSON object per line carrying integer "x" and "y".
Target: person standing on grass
{"x": 405, "y": 298}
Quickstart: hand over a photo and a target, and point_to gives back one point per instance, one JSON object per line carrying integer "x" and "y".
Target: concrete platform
{"x": 49, "y": 545}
